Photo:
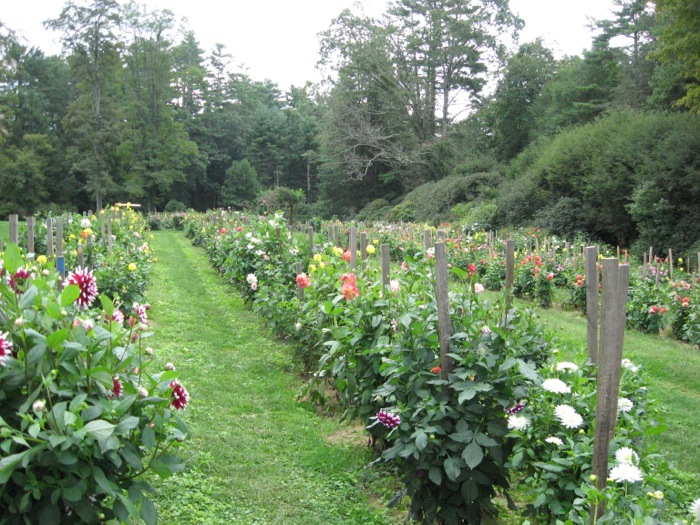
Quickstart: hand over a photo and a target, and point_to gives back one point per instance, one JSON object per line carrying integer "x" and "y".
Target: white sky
{"x": 277, "y": 39}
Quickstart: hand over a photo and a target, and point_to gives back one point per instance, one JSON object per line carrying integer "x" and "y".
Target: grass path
{"x": 257, "y": 456}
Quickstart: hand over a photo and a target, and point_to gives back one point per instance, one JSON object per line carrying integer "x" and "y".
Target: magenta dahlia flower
{"x": 141, "y": 312}
{"x": 179, "y": 396}
{"x": 87, "y": 284}
{"x": 388, "y": 419}
{"x": 117, "y": 388}
{"x": 5, "y": 347}
{"x": 17, "y": 279}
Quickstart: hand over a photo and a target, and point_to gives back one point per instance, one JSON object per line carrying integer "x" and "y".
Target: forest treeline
{"x": 433, "y": 113}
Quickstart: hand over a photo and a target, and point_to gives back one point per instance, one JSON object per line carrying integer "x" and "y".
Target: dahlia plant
{"x": 83, "y": 412}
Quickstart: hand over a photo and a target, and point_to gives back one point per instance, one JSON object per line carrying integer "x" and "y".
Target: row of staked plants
{"x": 659, "y": 300}
{"x": 84, "y": 409}
{"x": 507, "y": 415}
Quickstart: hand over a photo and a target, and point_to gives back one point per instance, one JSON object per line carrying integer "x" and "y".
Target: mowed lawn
{"x": 257, "y": 454}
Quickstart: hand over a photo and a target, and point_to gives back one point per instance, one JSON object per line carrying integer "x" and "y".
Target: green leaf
{"x": 54, "y": 310}
{"x": 9, "y": 463}
{"x": 126, "y": 424}
{"x": 106, "y": 485}
{"x": 99, "y": 429}
{"x": 465, "y": 436}
{"x": 453, "y": 468}
{"x": 485, "y": 441}
{"x": 540, "y": 500}
{"x": 421, "y": 440}
{"x": 473, "y": 455}
{"x": 148, "y": 511}
{"x": 466, "y": 395}
{"x": 69, "y": 294}
{"x": 148, "y": 436}
{"x": 107, "y": 305}
{"x": 55, "y": 340}
{"x": 435, "y": 475}
{"x": 166, "y": 465}
{"x": 527, "y": 370}
{"x": 71, "y": 493}
{"x": 28, "y": 297}
{"x": 469, "y": 490}
{"x": 12, "y": 258}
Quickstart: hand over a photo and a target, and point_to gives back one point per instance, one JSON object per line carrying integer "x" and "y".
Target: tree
{"x": 679, "y": 40}
{"x": 448, "y": 44}
{"x": 525, "y": 75}
{"x": 155, "y": 149}
{"x": 242, "y": 186}
{"x": 89, "y": 34}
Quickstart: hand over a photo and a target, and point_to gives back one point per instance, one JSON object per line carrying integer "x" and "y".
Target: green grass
{"x": 257, "y": 454}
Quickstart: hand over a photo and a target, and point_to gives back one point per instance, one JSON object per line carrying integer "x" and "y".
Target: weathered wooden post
{"x": 14, "y": 228}
{"x": 443, "y": 306}
{"x": 81, "y": 258}
{"x": 612, "y": 328}
{"x": 427, "y": 239}
{"x": 670, "y": 263}
{"x": 440, "y": 235}
{"x": 384, "y": 250}
{"x": 353, "y": 248}
{"x": 592, "y": 302}
{"x": 49, "y": 238}
{"x": 510, "y": 271}
{"x": 30, "y": 221}
{"x": 310, "y": 232}
{"x": 60, "y": 260}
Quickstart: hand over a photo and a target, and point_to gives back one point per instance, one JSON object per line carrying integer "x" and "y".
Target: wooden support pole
{"x": 510, "y": 270}
{"x": 592, "y": 282}
{"x": 49, "y": 238}
{"x": 443, "y": 307}
{"x": 612, "y": 327}
{"x": 670, "y": 263}
{"x": 14, "y": 228}
{"x": 31, "y": 222}
{"x": 81, "y": 257}
{"x": 310, "y": 232}
{"x": 427, "y": 239}
{"x": 353, "y": 248}
{"x": 384, "y": 250}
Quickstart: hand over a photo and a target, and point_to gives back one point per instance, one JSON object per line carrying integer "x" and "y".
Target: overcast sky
{"x": 277, "y": 39}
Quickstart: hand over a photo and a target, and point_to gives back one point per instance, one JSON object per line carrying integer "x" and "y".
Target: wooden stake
{"x": 384, "y": 250}
{"x": 591, "y": 262}
{"x": 14, "y": 228}
{"x": 443, "y": 305}
{"x": 31, "y": 221}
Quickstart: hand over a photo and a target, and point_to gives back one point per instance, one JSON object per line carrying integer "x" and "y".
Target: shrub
{"x": 83, "y": 413}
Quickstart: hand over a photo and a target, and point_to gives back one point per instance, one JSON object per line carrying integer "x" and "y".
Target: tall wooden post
{"x": 427, "y": 239}
{"x": 592, "y": 302}
{"x": 353, "y": 248}
{"x": 510, "y": 271}
{"x": 384, "y": 250}
{"x": 310, "y": 232}
{"x": 670, "y": 263}
{"x": 443, "y": 306}
{"x": 30, "y": 221}
{"x": 49, "y": 238}
{"x": 60, "y": 260}
{"x": 14, "y": 228}
{"x": 612, "y": 328}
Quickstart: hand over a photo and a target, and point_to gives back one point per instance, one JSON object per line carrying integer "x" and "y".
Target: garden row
{"x": 83, "y": 412}
{"x": 506, "y": 411}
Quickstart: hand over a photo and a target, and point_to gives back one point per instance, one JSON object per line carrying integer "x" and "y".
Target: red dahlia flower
{"x": 303, "y": 280}
{"x": 87, "y": 284}
{"x": 388, "y": 419}
{"x": 179, "y": 396}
